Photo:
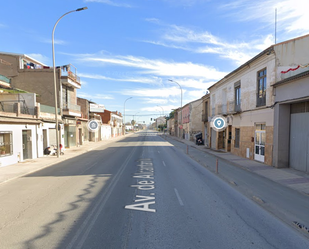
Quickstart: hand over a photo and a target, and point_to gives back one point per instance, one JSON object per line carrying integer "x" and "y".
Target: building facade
{"x": 291, "y": 91}
{"x": 245, "y": 98}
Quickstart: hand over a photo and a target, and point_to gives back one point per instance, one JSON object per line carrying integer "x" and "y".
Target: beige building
{"x": 246, "y": 98}
{"x": 31, "y": 75}
{"x": 206, "y": 119}
{"x": 192, "y": 122}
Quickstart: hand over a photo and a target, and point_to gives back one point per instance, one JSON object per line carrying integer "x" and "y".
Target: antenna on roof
{"x": 276, "y": 26}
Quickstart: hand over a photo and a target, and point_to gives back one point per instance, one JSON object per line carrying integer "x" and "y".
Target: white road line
{"x": 163, "y": 163}
{"x": 85, "y": 228}
{"x": 178, "y": 197}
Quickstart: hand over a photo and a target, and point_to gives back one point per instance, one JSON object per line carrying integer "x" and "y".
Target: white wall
{"x": 106, "y": 131}
{"x": 17, "y": 155}
{"x": 248, "y": 81}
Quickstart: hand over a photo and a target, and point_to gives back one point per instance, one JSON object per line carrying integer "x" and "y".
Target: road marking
{"x": 85, "y": 228}
{"x": 163, "y": 163}
{"x": 145, "y": 177}
{"x": 178, "y": 197}
{"x": 159, "y": 152}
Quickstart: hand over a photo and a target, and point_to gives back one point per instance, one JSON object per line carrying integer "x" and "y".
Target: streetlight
{"x": 55, "y": 84}
{"x": 180, "y": 100}
{"x": 162, "y": 109}
{"x": 124, "y": 114}
{"x": 133, "y": 120}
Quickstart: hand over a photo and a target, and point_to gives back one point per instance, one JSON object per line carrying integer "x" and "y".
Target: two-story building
{"x": 31, "y": 75}
{"x": 116, "y": 124}
{"x": 26, "y": 127}
{"x": 265, "y": 109}
{"x": 206, "y": 119}
{"x": 245, "y": 98}
{"x": 191, "y": 119}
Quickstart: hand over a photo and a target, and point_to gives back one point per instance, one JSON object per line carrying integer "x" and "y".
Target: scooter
{"x": 52, "y": 151}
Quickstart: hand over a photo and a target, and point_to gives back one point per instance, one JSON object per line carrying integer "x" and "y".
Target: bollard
{"x": 217, "y": 166}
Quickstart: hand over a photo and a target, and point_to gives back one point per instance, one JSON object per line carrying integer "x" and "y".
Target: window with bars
{"x": 261, "y": 87}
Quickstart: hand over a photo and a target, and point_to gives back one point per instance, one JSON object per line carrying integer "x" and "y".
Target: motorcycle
{"x": 199, "y": 139}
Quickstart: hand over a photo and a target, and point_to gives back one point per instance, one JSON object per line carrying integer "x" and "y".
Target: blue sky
{"x": 131, "y": 48}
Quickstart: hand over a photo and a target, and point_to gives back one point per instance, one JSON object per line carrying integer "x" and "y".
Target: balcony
{"x": 204, "y": 117}
{"x": 237, "y": 108}
{"x": 71, "y": 110}
{"x": 69, "y": 76}
{"x": 227, "y": 109}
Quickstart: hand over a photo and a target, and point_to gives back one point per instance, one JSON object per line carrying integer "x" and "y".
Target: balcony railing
{"x": 226, "y": 109}
{"x": 72, "y": 107}
{"x": 70, "y": 72}
{"x": 12, "y": 106}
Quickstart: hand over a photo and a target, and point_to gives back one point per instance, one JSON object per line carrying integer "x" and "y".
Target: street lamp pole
{"x": 55, "y": 83}
{"x": 162, "y": 109}
{"x": 180, "y": 100}
{"x": 124, "y": 114}
{"x": 134, "y": 120}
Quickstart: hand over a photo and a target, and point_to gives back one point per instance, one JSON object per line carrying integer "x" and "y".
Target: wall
{"x": 196, "y": 118}
{"x": 17, "y": 155}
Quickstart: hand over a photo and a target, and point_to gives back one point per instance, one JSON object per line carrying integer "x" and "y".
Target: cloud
{"x": 146, "y": 92}
{"x": 41, "y": 58}
{"x": 109, "y": 2}
{"x": 193, "y": 83}
{"x": 157, "y": 67}
{"x": 291, "y": 16}
{"x": 96, "y": 96}
{"x": 145, "y": 80}
{"x": 203, "y": 42}
{"x": 56, "y": 41}
{"x": 157, "y": 101}
{"x": 158, "y": 110}
{"x": 185, "y": 3}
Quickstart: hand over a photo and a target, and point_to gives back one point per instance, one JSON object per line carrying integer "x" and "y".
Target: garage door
{"x": 299, "y": 138}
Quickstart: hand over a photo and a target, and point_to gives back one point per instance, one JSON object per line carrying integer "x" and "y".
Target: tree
{"x": 171, "y": 115}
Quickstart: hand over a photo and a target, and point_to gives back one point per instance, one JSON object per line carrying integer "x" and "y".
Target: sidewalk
{"x": 288, "y": 177}
{"x": 17, "y": 170}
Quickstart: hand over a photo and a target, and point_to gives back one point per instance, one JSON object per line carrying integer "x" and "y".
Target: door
{"x": 27, "y": 144}
{"x": 206, "y": 137}
{"x": 307, "y": 159}
{"x": 44, "y": 139}
{"x": 259, "y": 147}
{"x": 299, "y": 136}
{"x": 80, "y": 136}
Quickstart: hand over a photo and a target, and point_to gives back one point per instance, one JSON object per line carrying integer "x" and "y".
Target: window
{"x": 213, "y": 104}
{"x": 261, "y": 88}
{"x": 6, "y": 145}
{"x": 237, "y": 97}
{"x": 260, "y": 127}
{"x": 237, "y": 137}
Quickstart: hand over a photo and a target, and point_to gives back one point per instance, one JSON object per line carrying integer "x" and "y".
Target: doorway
{"x": 27, "y": 144}
{"x": 259, "y": 151}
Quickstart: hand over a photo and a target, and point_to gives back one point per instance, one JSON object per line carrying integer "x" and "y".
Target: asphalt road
{"x": 139, "y": 192}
